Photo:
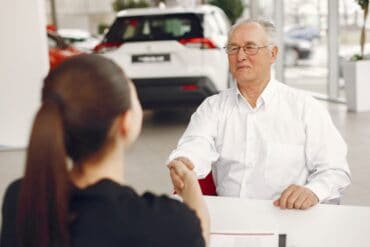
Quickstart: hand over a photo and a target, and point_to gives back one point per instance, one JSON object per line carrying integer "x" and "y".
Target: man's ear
{"x": 125, "y": 122}
{"x": 274, "y": 53}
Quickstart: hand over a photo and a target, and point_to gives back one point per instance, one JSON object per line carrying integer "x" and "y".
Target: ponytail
{"x": 74, "y": 120}
{"x": 43, "y": 203}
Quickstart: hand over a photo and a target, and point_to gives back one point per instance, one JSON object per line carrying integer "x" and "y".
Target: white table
{"x": 320, "y": 226}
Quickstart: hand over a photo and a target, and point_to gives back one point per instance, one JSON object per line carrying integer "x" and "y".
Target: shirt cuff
{"x": 201, "y": 167}
{"x": 320, "y": 189}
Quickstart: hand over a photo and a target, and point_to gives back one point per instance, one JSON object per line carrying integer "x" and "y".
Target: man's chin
{"x": 244, "y": 79}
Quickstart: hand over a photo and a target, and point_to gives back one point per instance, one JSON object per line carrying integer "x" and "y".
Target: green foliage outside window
{"x": 364, "y": 4}
{"x": 232, "y": 8}
{"x": 129, "y": 4}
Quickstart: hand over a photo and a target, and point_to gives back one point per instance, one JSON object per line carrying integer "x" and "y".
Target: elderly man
{"x": 261, "y": 138}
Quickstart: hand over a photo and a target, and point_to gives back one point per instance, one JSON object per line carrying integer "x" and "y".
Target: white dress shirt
{"x": 288, "y": 138}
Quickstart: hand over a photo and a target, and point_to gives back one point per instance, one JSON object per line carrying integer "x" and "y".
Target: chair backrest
{"x": 207, "y": 185}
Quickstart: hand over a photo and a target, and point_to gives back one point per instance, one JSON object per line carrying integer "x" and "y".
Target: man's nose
{"x": 241, "y": 55}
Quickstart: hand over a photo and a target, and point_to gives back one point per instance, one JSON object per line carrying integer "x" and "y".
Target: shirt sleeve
{"x": 198, "y": 141}
{"x": 171, "y": 223}
{"x": 326, "y": 153}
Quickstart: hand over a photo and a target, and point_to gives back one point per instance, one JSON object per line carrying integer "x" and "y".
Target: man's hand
{"x": 179, "y": 170}
{"x": 297, "y": 197}
{"x": 186, "y": 161}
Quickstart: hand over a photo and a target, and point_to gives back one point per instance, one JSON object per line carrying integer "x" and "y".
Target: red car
{"x": 59, "y": 50}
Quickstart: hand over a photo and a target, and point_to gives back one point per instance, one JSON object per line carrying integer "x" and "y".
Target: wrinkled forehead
{"x": 248, "y": 33}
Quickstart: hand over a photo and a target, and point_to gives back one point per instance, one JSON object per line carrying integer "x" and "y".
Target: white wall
{"x": 82, "y": 14}
{"x": 23, "y": 64}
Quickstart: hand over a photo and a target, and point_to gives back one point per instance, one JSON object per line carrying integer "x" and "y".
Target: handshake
{"x": 183, "y": 177}
{"x": 186, "y": 185}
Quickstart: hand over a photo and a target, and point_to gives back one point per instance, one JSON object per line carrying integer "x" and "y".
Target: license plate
{"x": 152, "y": 58}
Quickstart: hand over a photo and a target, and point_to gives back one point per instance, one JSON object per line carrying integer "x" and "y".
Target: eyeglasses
{"x": 250, "y": 50}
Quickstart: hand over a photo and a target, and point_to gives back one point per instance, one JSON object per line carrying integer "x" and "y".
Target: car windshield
{"x": 155, "y": 27}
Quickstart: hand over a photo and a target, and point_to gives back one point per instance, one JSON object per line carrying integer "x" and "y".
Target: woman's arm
{"x": 186, "y": 185}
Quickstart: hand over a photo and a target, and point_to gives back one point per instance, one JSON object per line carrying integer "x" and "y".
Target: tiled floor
{"x": 146, "y": 159}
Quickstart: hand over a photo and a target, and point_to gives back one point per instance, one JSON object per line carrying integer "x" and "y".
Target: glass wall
{"x": 351, "y": 21}
{"x": 307, "y": 41}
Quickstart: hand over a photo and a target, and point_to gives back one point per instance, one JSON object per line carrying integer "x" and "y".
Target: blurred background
{"x": 305, "y": 28}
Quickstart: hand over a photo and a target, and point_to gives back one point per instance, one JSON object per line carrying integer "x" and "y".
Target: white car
{"x": 174, "y": 55}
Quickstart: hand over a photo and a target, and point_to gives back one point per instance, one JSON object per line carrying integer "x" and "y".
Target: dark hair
{"x": 81, "y": 98}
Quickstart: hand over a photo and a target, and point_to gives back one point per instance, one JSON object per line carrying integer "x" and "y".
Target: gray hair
{"x": 266, "y": 24}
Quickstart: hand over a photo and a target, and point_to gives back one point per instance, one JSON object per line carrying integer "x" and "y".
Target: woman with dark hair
{"x": 89, "y": 114}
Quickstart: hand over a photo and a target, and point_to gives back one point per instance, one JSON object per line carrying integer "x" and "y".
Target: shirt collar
{"x": 268, "y": 92}
{"x": 266, "y": 96}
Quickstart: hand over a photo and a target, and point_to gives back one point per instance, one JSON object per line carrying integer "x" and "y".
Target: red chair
{"x": 207, "y": 185}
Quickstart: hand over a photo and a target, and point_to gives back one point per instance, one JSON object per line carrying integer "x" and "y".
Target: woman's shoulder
{"x": 148, "y": 204}
{"x": 164, "y": 203}
{"x": 173, "y": 221}
{"x": 9, "y": 208}
{"x": 160, "y": 218}
{"x": 14, "y": 186}
{"x": 12, "y": 193}
{"x": 124, "y": 196}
